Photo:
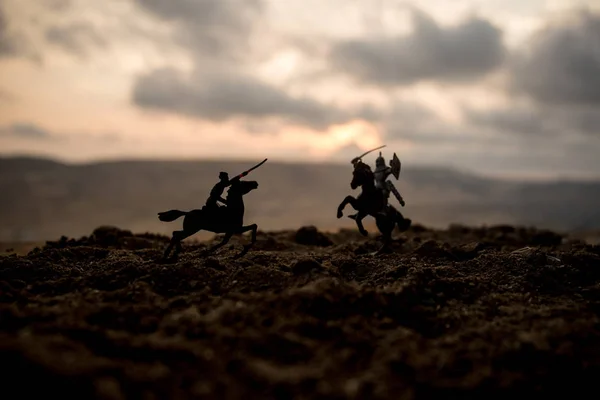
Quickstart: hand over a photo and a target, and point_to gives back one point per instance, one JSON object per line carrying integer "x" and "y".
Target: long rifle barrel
{"x": 243, "y": 174}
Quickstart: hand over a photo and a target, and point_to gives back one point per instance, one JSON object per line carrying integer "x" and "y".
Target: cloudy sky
{"x": 504, "y": 87}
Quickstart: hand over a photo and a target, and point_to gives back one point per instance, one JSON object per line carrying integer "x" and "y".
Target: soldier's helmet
{"x": 380, "y": 162}
{"x": 223, "y": 176}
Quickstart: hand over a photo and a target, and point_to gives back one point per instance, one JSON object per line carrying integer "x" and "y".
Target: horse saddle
{"x": 215, "y": 212}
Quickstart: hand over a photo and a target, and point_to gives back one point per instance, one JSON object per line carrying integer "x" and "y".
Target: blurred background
{"x": 114, "y": 110}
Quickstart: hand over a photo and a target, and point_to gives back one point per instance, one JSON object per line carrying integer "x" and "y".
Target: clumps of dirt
{"x": 305, "y": 265}
{"x": 432, "y": 249}
{"x": 463, "y": 312}
{"x": 110, "y": 236}
{"x": 310, "y": 236}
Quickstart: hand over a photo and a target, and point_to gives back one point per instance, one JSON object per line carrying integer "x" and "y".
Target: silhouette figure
{"x": 373, "y": 201}
{"x": 227, "y": 219}
{"x": 381, "y": 174}
{"x": 217, "y": 192}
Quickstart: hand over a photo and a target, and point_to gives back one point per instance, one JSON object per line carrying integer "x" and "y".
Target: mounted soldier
{"x": 216, "y": 194}
{"x": 382, "y": 172}
{"x": 214, "y": 218}
{"x": 373, "y": 199}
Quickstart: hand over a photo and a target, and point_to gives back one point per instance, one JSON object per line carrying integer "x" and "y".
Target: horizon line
{"x": 509, "y": 177}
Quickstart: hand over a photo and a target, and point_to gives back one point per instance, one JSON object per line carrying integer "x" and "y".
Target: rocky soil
{"x": 457, "y": 313}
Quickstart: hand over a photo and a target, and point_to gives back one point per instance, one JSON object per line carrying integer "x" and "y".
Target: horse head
{"x": 362, "y": 175}
{"x": 240, "y": 188}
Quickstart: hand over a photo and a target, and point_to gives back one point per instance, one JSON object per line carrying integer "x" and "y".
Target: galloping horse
{"x": 228, "y": 220}
{"x": 371, "y": 201}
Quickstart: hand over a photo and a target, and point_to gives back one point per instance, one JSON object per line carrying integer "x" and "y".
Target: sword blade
{"x": 377, "y": 148}
{"x": 361, "y": 156}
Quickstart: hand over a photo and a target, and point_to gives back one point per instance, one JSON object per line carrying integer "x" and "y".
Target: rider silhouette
{"x": 217, "y": 219}
{"x": 217, "y": 192}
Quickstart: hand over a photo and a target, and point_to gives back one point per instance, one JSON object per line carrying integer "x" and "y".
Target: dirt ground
{"x": 459, "y": 313}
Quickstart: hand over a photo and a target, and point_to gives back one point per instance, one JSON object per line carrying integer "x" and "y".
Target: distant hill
{"x": 42, "y": 199}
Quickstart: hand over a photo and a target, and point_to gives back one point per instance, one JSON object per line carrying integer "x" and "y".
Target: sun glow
{"x": 364, "y": 134}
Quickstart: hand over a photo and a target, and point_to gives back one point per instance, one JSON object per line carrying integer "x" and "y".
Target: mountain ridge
{"x": 44, "y": 199}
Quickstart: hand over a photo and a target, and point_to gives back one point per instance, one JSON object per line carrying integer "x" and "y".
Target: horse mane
{"x": 362, "y": 166}
{"x": 240, "y": 187}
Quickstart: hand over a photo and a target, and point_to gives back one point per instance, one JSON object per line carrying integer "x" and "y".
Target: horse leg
{"x": 403, "y": 223}
{"x": 222, "y": 243}
{"x": 355, "y": 205}
{"x": 348, "y": 200}
{"x": 169, "y": 247}
{"x": 184, "y": 234}
{"x": 176, "y": 239}
{"x": 191, "y": 225}
{"x": 385, "y": 225}
{"x": 243, "y": 229}
{"x": 358, "y": 218}
{"x": 385, "y": 247}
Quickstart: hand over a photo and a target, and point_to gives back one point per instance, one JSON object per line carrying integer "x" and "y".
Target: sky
{"x": 499, "y": 87}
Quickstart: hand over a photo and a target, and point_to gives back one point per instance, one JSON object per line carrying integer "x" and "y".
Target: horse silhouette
{"x": 371, "y": 201}
{"x": 218, "y": 219}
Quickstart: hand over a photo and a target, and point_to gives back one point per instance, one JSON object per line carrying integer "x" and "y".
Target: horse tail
{"x": 171, "y": 215}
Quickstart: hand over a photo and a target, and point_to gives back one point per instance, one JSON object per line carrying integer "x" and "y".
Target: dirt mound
{"x": 463, "y": 312}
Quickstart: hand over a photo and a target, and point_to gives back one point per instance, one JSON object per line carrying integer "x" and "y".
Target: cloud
{"x": 221, "y": 96}
{"x": 559, "y": 74}
{"x": 538, "y": 120}
{"x": 347, "y": 152}
{"x": 14, "y": 41}
{"x": 34, "y": 132}
{"x": 7, "y": 97}
{"x": 459, "y": 53}
{"x": 77, "y": 38}
{"x": 8, "y": 45}
{"x": 26, "y": 131}
{"x": 58, "y": 5}
{"x": 513, "y": 120}
{"x": 208, "y": 28}
{"x": 219, "y": 35}
{"x": 562, "y": 65}
{"x": 585, "y": 120}
{"x": 406, "y": 120}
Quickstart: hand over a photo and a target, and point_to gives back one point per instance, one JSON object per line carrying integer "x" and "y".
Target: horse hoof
{"x": 244, "y": 251}
{"x": 168, "y": 260}
{"x": 385, "y": 249}
{"x": 240, "y": 254}
{"x": 340, "y": 214}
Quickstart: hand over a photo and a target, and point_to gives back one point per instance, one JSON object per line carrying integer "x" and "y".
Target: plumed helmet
{"x": 380, "y": 162}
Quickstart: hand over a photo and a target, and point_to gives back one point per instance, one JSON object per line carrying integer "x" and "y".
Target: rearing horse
{"x": 371, "y": 202}
{"x": 228, "y": 220}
